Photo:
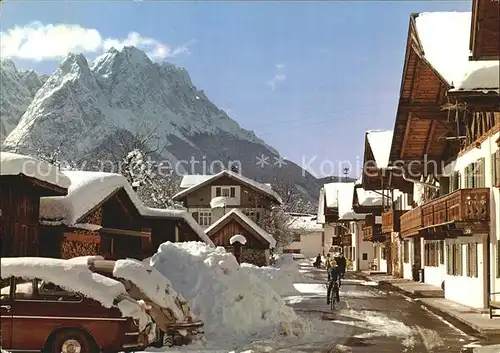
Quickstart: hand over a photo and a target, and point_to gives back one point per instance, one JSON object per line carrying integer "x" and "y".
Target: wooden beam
{"x": 405, "y": 138}
{"x": 125, "y": 232}
{"x": 431, "y": 108}
{"x": 430, "y": 137}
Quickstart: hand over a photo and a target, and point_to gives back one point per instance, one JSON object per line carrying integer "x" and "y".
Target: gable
{"x": 233, "y": 225}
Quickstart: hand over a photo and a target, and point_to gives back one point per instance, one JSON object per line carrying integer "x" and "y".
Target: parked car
{"x": 38, "y": 315}
{"x": 172, "y": 330}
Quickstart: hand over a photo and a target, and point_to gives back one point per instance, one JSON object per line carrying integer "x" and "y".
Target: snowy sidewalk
{"x": 432, "y": 298}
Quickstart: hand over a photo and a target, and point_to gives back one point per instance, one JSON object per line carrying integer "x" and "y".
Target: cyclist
{"x": 333, "y": 278}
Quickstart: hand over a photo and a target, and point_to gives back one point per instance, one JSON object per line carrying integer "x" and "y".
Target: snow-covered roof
{"x": 89, "y": 189}
{"x": 15, "y": 164}
{"x": 445, "y": 41}
{"x": 332, "y": 193}
{"x": 304, "y": 223}
{"x": 266, "y": 189}
{"x": 193, "y": 179}
{"x": 345, "y": 197}
{"x": 265, "y": 235}
{"x": 380, "y": 142}
{"x": 368, "y": 198}
{"x": 321, "y": 206}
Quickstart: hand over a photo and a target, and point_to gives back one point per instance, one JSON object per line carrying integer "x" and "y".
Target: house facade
{"x": 451, "y": 234}
{"x": 308, "y": 235}
{"x": 228, "y": 204}
{"x": 209, "y": 197}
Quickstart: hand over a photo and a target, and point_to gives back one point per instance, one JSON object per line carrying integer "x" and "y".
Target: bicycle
{"x": 334, "y": 294}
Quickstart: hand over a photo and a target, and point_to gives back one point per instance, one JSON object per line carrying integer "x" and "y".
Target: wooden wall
{"x": 221, "y": 236}
{"x": 19, "y": 220}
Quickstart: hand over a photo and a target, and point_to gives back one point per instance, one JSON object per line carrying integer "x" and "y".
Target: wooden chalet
{"x": 229, "y": 190}
{"x": 103, "y": 216}
{"x": 259, "y": 243}
{"x": 23, "y": 181}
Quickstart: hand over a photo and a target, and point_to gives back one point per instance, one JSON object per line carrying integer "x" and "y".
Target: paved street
{"x": 371, "y": 319}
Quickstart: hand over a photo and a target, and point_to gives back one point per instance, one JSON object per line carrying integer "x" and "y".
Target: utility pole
{"x": 346, "y": 173}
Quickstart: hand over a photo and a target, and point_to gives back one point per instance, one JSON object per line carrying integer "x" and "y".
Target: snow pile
{"x": 74, "y": 275}
{"x": 219, "y": 202}
{"x": 233, "y": 303}
{"x": 152, "y": 283}
{"x": 281, "y": 276}
{"x": 238, "y": 238}
{"x": 15, "y": 164}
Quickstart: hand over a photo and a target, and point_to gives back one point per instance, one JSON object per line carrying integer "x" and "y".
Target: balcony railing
{"x": 463, "y": 205}
{"x": 347, "y": 240}
{"x": 373, "y": 233}
{"x": 391, "y": 221}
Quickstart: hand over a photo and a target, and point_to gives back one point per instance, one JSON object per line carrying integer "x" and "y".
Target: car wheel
{"x": 72, "y": 341}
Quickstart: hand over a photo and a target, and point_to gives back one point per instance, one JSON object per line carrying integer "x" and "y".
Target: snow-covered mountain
{"x": 18, "y": 90}
{"x": 81, "y": 108}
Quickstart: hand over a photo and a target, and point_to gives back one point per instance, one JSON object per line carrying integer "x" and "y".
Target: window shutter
{"x": 217, "y": 191}
{"x": 233, "y": 192}
{"x": 480, "y": 173}
{"x": 474, "y": 260}
{"x": 497, "y": 167}
{"x": 460, "y": 265}
{"x": 468, "y": 267}
{"x": 449, "y": 261}
{"x": 467, "y": 179}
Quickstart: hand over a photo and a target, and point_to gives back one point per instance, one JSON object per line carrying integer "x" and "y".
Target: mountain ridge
{"x": 123, "y": 97}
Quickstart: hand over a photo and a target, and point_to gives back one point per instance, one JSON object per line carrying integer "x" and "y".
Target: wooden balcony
{"x": 391, "y": 221}
{"x": 347, "y": 240}
{"x": 373, "y": 233}
{"x": 463, "y": 207}
{"x": 411, "y": 222}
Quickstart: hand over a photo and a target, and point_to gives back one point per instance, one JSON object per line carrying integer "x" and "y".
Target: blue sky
{"x": 336, "y": 65}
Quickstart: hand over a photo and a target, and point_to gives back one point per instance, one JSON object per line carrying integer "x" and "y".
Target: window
{"x": 5, "y": 289}
{"x": 406, "y": 252}
{"x": 441, "y": 252}
{"x": 232, "y": 192}
{"x": 205, "y": 218}
{"x": 431, "y": 254}
{"x": 454, "y": 182}
{"x": 217, "y": 191}
{"x": 225, "y": 192}
{"x": 365, "y": 256}
{"x": 382, "y": 253}
{"x": 475, "y": 175}
{"x": 51, "y": 292}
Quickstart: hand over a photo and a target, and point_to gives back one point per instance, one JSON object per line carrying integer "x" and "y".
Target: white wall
{"x": 435, "y": 275}
{"x": 362, "y": 247}
{"x": 407, "y": 271}
{"x": 466, "y": 290}
{"x": 310, "y": 244}
{"x": 329, "y": 231}
{"x": 487, "y": 148}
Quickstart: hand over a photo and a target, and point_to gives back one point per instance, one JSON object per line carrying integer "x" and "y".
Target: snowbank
{"x": 234, "y": 304}
{"x": 74, "y": 275}
{"x": 238, "y": 238}
{"x": 281, "y": 281}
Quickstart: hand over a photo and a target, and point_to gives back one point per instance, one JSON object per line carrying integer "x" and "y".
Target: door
{"x": 6, "y": 317}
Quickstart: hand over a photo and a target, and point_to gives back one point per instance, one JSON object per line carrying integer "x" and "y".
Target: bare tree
{"x": 293, "y": 199}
